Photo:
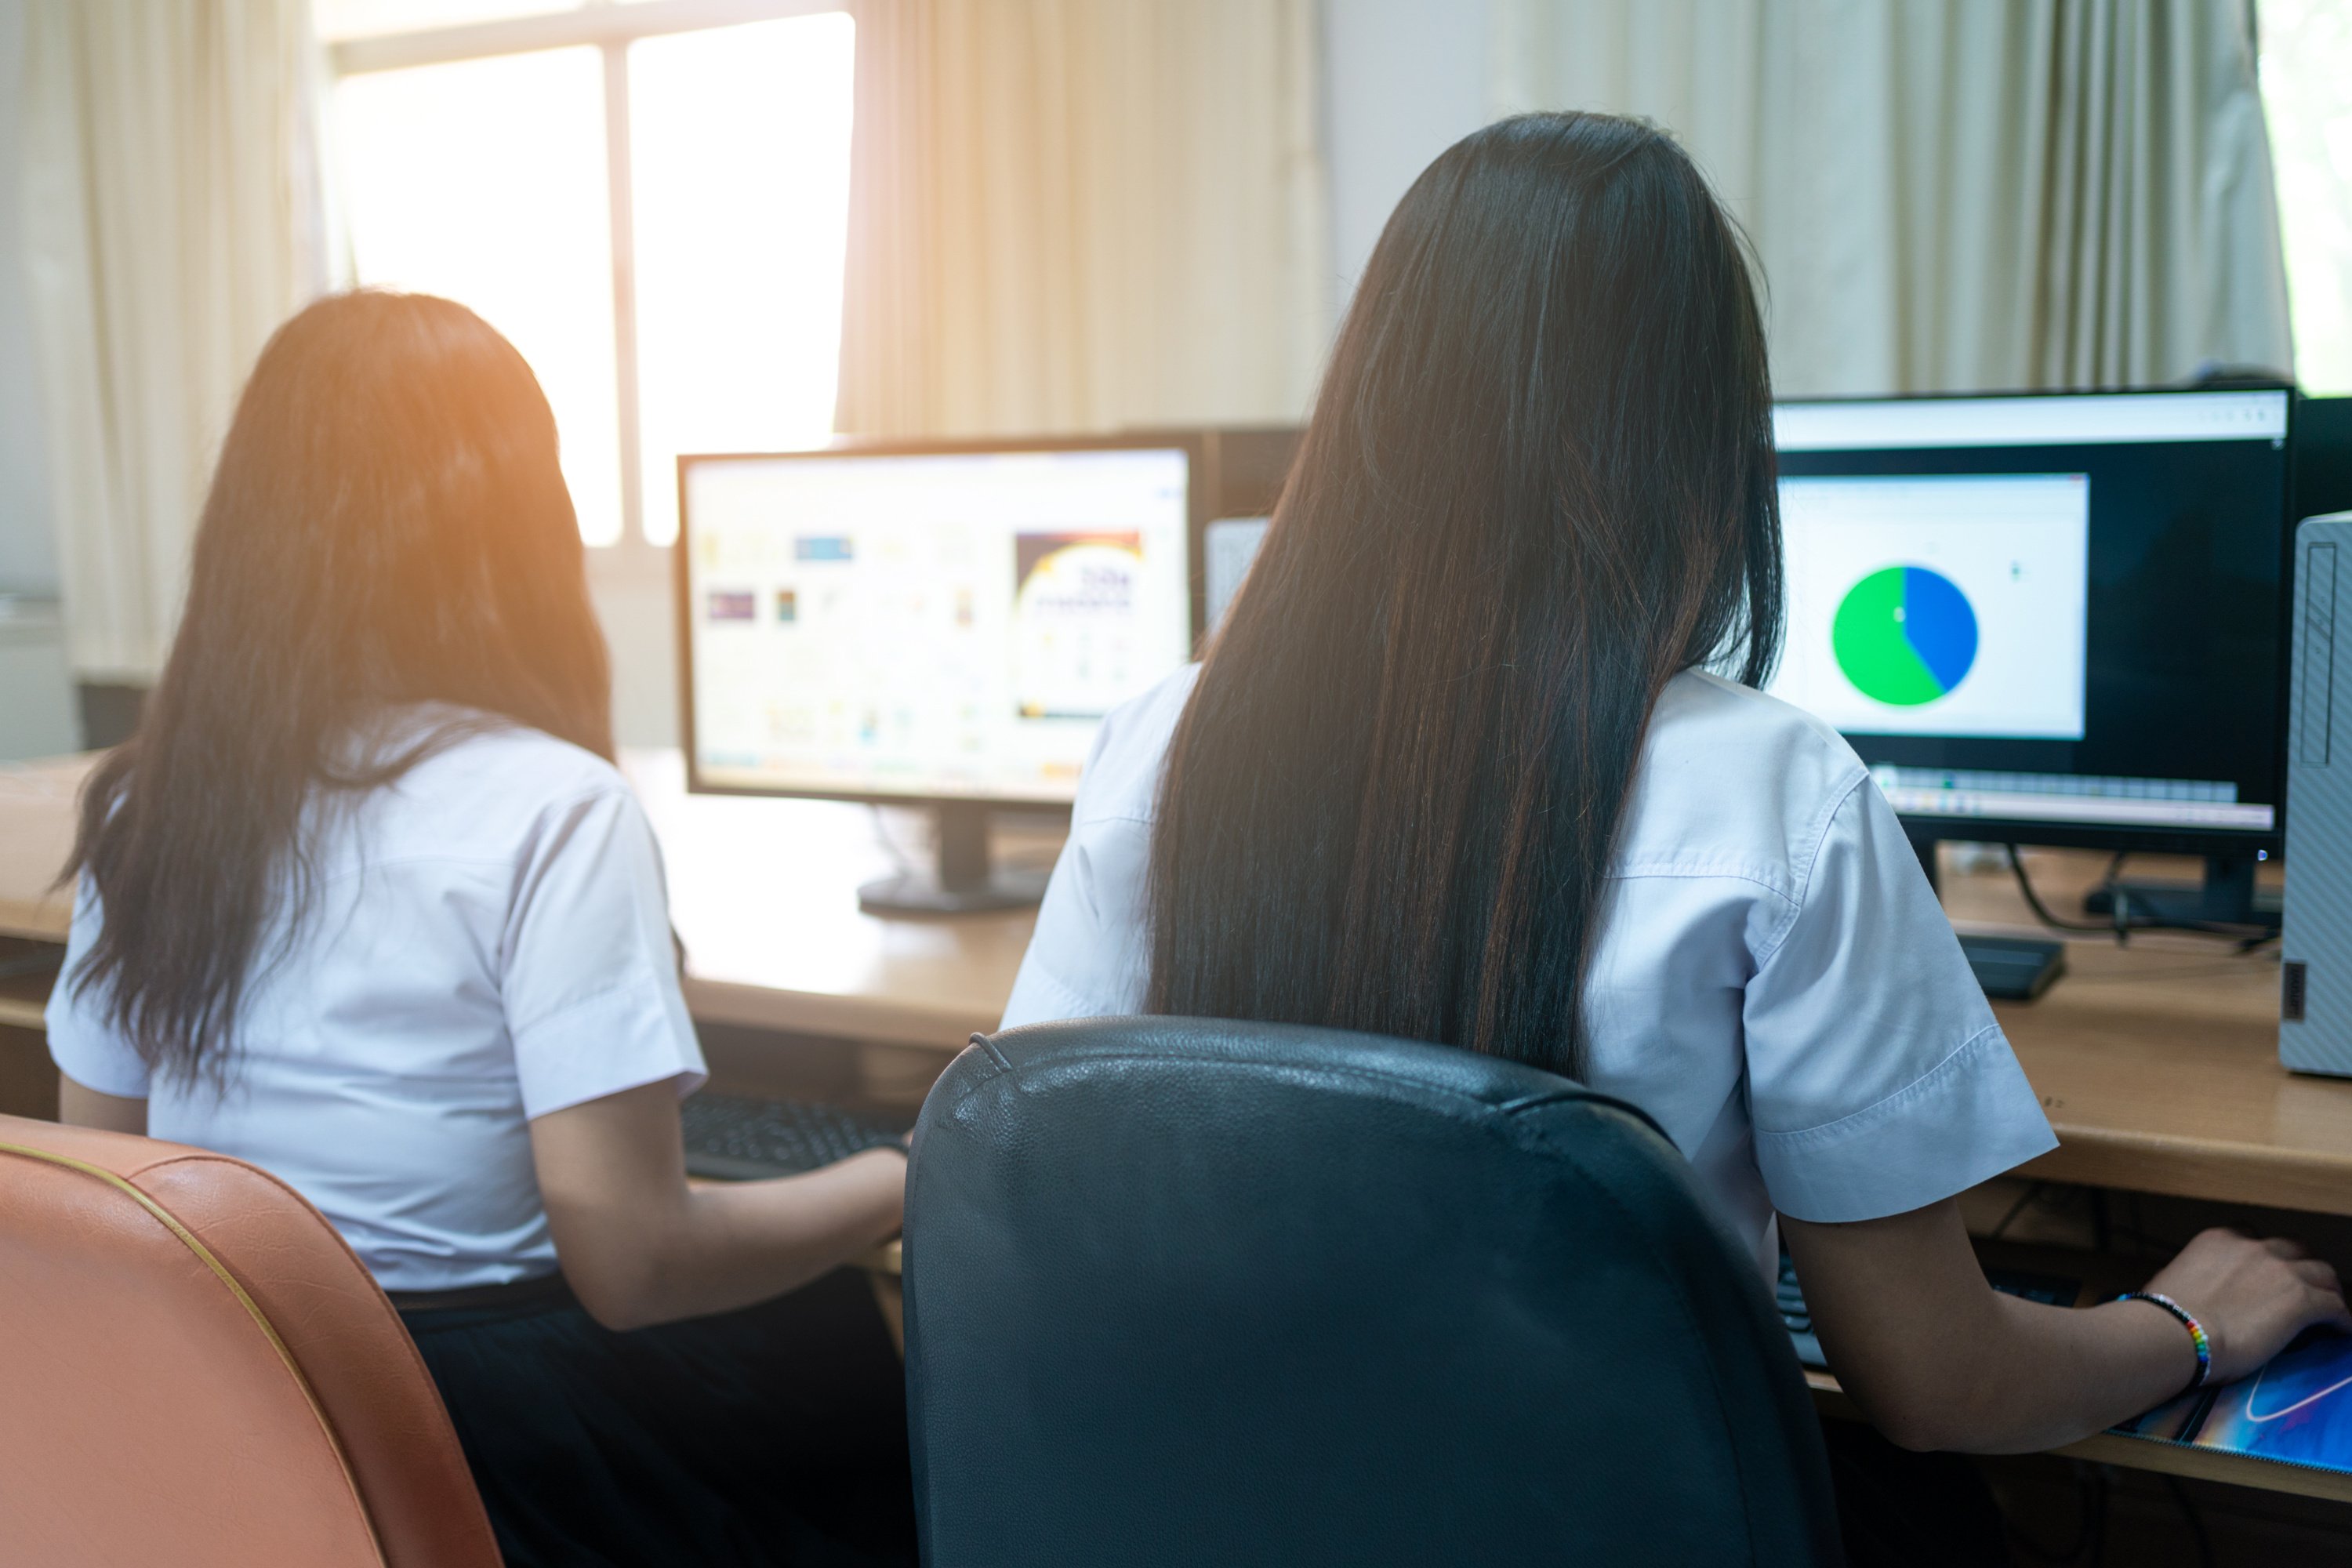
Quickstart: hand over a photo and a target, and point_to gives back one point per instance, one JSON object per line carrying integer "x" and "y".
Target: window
{"x": 649, "y": 197}
{"x": 2307, "y": 99}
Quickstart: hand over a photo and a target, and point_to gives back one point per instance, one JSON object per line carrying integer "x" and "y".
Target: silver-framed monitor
{"x": 938, "y": 624}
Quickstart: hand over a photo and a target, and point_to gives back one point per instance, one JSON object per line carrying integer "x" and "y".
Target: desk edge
{"x": 2144, "y": 1454}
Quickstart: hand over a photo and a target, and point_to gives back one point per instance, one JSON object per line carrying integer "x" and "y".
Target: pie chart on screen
{"x": 1904, "y": 635}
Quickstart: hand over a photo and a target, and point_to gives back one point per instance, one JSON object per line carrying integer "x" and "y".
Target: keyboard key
{"x": 736, "y": 1137}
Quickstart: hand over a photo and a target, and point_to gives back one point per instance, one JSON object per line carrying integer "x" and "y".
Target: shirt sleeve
{"x": 1878, "y": 1082}
{"x": 590, "y": 977}
{"x": 1088, "y": 958}
{"x": 84, "y": 1044}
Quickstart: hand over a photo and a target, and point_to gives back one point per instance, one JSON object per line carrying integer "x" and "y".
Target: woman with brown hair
{"x": 1479, "y": 759}
{"x": 365, "y": 902}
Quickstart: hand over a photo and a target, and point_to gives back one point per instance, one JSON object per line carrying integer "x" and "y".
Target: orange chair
{"x": 194, "y": 1370}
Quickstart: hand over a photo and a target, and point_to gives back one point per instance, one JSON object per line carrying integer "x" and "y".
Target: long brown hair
{"x": 1539, "y": 483}
{"x": 387, "y": 525}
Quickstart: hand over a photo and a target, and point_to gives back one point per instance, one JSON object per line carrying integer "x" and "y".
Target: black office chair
{"x": 1188, "y": 1291}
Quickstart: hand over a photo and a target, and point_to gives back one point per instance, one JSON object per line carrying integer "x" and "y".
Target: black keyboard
{"x": 733, "y": 1138}
{"x": 1790, "y": 1297}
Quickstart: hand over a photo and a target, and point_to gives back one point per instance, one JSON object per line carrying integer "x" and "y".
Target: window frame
{"x": 610, "y": 27}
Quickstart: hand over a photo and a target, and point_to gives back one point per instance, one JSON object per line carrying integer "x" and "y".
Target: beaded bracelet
{"x": 2196, "y": 1331}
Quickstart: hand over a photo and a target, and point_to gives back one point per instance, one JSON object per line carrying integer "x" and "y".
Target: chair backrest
{"x": 1190, "y": 1291}
{"x": 196, "y": 1370}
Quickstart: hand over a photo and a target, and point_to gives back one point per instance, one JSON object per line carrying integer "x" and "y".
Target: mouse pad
{"x": 2297, "y": 1409}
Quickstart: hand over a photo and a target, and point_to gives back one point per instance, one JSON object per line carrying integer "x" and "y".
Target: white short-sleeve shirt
{"x": 1774, "y": 980}
{"x": 489, "y": 943}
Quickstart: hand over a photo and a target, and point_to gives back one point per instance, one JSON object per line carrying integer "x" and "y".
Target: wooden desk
{"x": 765, "y": 894}
{"x": 2157, "y": 1063}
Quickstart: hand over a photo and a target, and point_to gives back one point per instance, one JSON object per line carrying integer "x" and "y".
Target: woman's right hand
{"x": 640, "y": 1245}
{"x": 1937, "y": 1359}
{"x": 2251, "y": 1295}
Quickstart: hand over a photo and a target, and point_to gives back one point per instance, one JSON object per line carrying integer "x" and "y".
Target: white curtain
{"x": 1080, "y": 214}
{"x": 1956, "y": 194}
{"x": 171, "y": 224}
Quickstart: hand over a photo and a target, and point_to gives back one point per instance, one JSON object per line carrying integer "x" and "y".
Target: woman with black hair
{"x": 1479, "y": 758}
{"x": 365, "y": 902}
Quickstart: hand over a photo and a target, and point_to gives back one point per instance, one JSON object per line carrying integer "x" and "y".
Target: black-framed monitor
{"x": 939, "y": 623}
{"x": 2051, "y": 619}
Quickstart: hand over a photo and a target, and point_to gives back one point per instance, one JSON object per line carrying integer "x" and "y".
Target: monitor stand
{"x": 2008, "y": 968}
{"x": 2227, "y": 896}
{"x": 964, "y": 883}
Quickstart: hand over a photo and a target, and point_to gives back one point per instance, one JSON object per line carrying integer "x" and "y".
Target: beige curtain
{"x": 170, "y": 225}
{"x": 1956, "y": 194}
{"x": 1080, "y": 214}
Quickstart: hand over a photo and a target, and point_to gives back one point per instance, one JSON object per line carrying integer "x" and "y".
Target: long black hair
{"x": 387, "y": 525}
{"x": 1537, "y": 484}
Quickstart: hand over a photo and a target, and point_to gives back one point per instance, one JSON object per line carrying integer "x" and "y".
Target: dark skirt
{"x": 775, "y": 1434}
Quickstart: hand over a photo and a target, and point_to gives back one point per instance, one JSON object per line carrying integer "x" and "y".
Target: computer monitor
{"x": 940, "y": 624}
{"x": 2323, "y": 456}
{"x": 2049, "y": 619}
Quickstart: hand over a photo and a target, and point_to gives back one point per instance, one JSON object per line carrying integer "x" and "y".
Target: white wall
{"x": 633, "y": 593}
{"x": 36, "y": 707}
{"x": 1402, "y": 80}
{"x": 29, "y": 558}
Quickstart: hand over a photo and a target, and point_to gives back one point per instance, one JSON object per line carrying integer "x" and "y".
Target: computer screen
{"x": 2053, "y": 618}
{"x": 927, "y": 624}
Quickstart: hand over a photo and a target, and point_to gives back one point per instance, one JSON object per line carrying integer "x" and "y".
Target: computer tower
{"x": 2316, "y": 948}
